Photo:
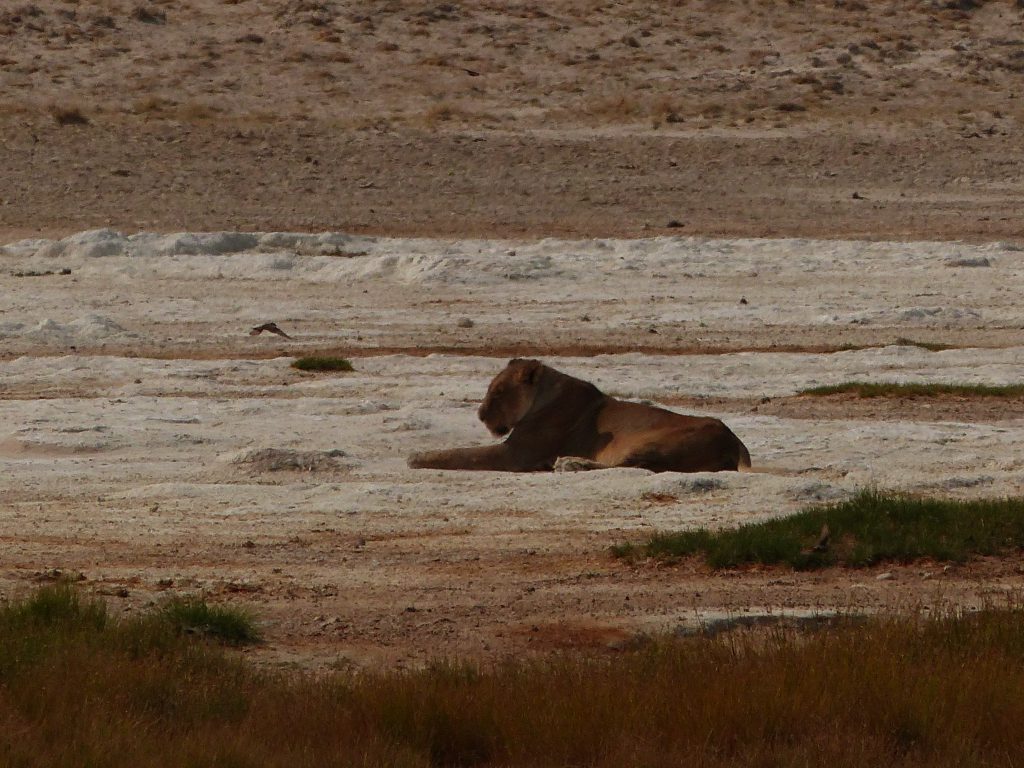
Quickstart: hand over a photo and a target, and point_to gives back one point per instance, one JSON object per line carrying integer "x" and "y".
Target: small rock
{"x": 887, "y": 576}
{"x": 674, "y": 224}
{"x": 743, "y": 300}
{"x": 857, "y": 196}
{"x": 465, "y": 322}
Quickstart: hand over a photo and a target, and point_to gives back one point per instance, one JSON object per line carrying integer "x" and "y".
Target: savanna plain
{"x": 753, "y": 211}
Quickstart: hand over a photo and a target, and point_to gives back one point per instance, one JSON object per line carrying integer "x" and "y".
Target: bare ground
{"x": 847, "y": 120}
{"x": 894, "y": 120}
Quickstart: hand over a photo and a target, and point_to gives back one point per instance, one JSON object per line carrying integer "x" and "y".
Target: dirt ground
{"x": 884, "y": 120}
{"x": 844, "y": 120}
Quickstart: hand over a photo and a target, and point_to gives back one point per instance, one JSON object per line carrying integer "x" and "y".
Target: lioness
{"x": 549, "y": 415}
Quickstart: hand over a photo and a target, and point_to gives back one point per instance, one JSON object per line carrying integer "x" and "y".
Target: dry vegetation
{"x": 78, "y": 687}
{"x": 568, "y": 63}
{"x": 911, "y": 106}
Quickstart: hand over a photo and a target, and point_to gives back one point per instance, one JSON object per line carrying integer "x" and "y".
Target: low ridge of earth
{"x": 151, "y": 446}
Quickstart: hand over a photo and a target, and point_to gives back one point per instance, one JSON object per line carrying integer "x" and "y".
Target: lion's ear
{"x": 529, "y": 371}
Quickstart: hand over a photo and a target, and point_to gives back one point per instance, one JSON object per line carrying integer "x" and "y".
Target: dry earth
{"x": 841, "y": 120}
{"x": 830, "y": 119}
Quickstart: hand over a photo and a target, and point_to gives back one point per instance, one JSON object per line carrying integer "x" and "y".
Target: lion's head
{"x": 510, "y": 396}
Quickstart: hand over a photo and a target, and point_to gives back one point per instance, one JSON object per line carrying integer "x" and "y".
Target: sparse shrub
{"x": 196, "y": 110}
{"x": 68, "y": 115}
{"x": 151, "y": 104}
{"x": 322, "y": 363}
{"x": 148, "y": 15}
{"x": 442, "y": 112}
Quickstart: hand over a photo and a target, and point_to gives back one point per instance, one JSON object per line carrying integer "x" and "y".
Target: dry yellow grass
{"x": 78, "y": 688}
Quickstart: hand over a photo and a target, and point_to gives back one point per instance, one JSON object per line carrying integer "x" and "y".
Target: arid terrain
{"x": 711, "y": 205}
{"x": 585, "y": 119}
{"x": 155, "y": 447}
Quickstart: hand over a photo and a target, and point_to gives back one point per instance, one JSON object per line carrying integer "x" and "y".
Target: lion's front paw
{"x": 575, "y": 464}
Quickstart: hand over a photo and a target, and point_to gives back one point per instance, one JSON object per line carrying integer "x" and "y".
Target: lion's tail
{"x": 762, "y": 469}
{"x": 744, "y": 461}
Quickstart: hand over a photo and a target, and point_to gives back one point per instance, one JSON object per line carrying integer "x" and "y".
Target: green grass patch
{"x": 929, "y": 345}
{"x": 892, "y": 389}
{"x": 871, "y": 528}
{"x": 322, "y": 363}
{"x": 116, "y": 691}
{"x": 232, "y": 626}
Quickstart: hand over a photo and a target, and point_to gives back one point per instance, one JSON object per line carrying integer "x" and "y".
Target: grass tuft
{"x": 57, "y": 606}
{"x": 870, "y": 528}
{"x": 68, "y": 115}
{"x": 232, "y": 626}
{"x": 931, "y": 346}
{"x": 892, "y": 389}
{"x": 918, "y": 690}
{"x": 322, "y": 363}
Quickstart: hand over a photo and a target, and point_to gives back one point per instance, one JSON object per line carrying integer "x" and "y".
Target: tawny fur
{"x": 549, "y": 415}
